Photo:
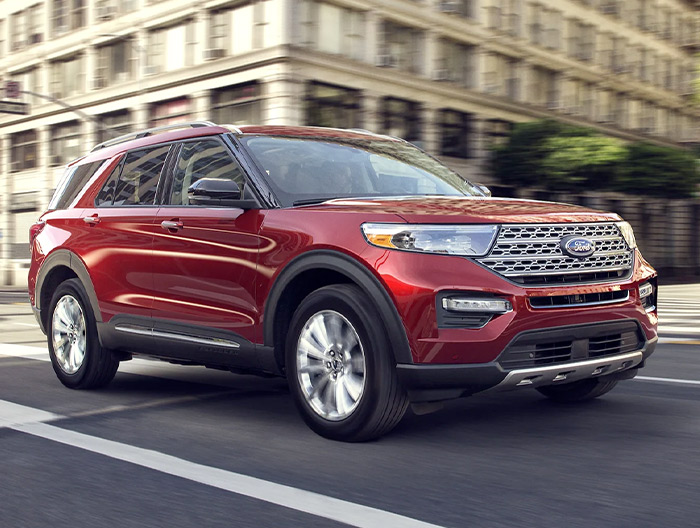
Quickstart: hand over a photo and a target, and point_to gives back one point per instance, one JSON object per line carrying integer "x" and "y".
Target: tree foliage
{"x": 659, "y": 171}
{"x": 553, "y": 155}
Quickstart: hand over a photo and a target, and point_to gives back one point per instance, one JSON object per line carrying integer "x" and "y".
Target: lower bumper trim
{"x": 570, "y": 372}
{"x": 430, "y": 383}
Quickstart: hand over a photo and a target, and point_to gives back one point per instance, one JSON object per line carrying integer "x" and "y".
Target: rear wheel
{"x": 579, "y": 390}
{"x": 78, "y": 359}
{"x": 340, "y": 369}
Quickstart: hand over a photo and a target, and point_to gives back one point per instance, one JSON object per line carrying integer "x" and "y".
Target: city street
{"x": 176, "y": 446}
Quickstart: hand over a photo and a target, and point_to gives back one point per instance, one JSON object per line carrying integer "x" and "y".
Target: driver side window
{"x": 203, "y": 159}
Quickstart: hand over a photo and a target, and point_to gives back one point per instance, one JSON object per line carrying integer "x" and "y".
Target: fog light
{"x": 645, "y": 290}
{"x": 467, "y": 304}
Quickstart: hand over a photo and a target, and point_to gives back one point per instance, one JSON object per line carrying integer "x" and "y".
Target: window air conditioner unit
{"x": 213, "y": 53}
{"x": 443, "y": 74}
{"x": 35, "y": 38}
{"x": 449, "y": 6}
{"x": 106, "y": 12}
{"x": 387, "y": 61}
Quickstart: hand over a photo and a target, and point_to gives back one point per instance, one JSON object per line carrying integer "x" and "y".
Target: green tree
{"x": 558, "y": 156}
{"x": 659, "y": 171}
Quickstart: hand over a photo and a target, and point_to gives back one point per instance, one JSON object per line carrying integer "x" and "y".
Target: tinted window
{"x": 73, "y": 181}
{"x": 139, "y": 176}
{"x": 302, "y": 169}
{"x": 202, "y": 159}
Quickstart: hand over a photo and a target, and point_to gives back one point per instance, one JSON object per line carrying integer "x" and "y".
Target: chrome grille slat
{"x": 525, "y": 252}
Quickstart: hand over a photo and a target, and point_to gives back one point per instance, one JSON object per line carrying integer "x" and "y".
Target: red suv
{"x": 354, "y": 264}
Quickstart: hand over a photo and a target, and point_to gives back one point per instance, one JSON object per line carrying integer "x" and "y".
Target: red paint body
{"x": 218, "y": 270}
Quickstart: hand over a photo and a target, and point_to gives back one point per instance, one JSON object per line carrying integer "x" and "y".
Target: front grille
{"x": 531, "y": 254}
{"x": 569, "y": 344}
{"x": 590, "y": 299}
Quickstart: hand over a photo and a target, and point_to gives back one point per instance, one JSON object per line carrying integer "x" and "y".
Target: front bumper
{"x": 427, "y": 383}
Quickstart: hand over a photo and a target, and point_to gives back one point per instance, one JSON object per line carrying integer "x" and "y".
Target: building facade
{"x": 450, "y": 75}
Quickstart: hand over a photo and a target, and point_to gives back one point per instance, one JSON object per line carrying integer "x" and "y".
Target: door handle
{"x": 91, "y": 220}
{"x": 171, "y": 224}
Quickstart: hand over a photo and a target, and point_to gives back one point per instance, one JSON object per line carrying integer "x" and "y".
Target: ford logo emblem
{"x": 578, "y": 247}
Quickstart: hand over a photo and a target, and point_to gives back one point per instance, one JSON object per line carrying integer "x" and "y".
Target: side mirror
{"x": 215, "y": 192}
{"x": 484, "y": 190}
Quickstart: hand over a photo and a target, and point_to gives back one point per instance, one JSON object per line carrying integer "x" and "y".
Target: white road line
{"x": 672, "y": 340}
{"x": 668, "y": 380}
{"x": 338, "y": 510}
{"x": 12, "y": 415}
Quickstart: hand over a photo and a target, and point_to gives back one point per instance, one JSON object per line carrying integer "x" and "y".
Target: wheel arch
{"x": 316, "y": 269}
{"x": 58, "y": 267}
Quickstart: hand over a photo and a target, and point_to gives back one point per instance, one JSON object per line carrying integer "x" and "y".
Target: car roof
{"x": 108, "y": 150}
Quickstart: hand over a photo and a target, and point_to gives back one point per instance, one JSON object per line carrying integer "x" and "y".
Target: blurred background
{"x": 587, "y": 101}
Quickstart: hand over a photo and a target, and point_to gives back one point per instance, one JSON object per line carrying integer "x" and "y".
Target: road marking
{"x": 678, "y": 341}
{"x": 12, "y": 415}
{"x": 668, "y": 380}
{"x": 23, "y": 324}
{"x": 29, "y": 421}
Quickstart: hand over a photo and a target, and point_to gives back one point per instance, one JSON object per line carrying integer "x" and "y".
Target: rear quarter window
{"x": 74, "y": 180}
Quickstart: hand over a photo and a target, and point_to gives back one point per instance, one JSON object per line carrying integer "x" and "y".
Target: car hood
{"x": 449, "y": 209}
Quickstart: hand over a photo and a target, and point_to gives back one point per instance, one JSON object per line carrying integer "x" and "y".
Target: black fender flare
{"x": 63, "y": 257}
{"x": 355, "y": 272}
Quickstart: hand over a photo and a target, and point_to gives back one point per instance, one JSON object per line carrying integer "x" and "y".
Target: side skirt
{"x": 187, "y": 344}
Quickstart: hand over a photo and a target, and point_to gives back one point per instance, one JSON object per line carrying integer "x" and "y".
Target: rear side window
{"x": 73, "y": 181}
{"x": 136, "y": 181}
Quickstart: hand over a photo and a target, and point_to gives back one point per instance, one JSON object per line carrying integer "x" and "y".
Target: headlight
{"x": 469, "y": 240}
{"x": 627, "y": 233}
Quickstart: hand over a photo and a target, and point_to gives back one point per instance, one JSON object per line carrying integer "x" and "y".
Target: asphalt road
{"x": 174, "y": 446}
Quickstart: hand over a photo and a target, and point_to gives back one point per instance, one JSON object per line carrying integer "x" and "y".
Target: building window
{"x": 455, "y": 132}
{"x": 544, "y": 90}
{"x": 171, "y": 48}
{"x": 500, "y": 76}
{"x": 496, "y": 132}
{"x": 245, "y": 27}
{"x": 67, "y": 76}
{"x": 237, "y": 105}
{"x": 23, "y": 150}
{"x": 170, "y": 112}
{"x": 65, "y": 143}
{"x": 456, "y": 63}
{"x": 67, "y": 15}
{"x": 333, "y": 29}
{"x": 537, "y": 28}
{"x": 30, "y": 80}
{"x": 114, "y": 124}
{"x": 332, "y": 106}
{"x": 401, "y": 47}
{"x": 115, "y": 63}
{"x": 401, "y": 118}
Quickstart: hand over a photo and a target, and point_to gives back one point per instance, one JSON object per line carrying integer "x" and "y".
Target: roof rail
{"x": 150, "y": 132}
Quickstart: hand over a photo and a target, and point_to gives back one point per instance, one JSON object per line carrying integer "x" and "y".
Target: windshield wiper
{"x": 311, "y": 201}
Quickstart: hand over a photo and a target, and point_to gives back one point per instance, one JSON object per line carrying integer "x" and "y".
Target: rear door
{"x": 118, "y": 236}
{"x": 204, "y": 263}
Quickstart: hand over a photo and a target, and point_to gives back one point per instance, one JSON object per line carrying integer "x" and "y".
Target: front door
{"x": 204, "y": 264}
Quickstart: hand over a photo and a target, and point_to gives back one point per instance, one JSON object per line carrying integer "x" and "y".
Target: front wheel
{"x": 340, "y": 368}
{"x": 78, "y": 359}
{"x": 582, "y": 390}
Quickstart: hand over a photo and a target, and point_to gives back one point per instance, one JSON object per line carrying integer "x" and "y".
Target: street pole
{"x": 73, "y": 109}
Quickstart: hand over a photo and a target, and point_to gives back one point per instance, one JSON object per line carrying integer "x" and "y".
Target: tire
{"x": 345, "y": 388}
{"x": 579, "y": 390}
{"x": 80, "y": 362}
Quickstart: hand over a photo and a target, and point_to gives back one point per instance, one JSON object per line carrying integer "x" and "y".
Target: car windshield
{"x": 314, "y": 169}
